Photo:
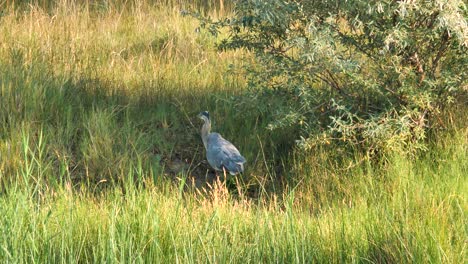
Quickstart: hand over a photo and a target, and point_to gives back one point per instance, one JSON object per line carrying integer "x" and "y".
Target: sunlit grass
{"x": 95, "y": 102}
{"x": 416, "y": 215}
{"x": 104, "y": 86}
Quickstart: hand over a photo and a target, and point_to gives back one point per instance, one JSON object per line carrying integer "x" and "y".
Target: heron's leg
{"x": 217, "y": 180}
{"x": 225, "y": 176}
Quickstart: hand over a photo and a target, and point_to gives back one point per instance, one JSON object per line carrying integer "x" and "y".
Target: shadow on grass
{"x": 91, "y": 131}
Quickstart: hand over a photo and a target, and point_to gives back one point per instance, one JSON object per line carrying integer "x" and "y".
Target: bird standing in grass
{"x": 221, "y": 154}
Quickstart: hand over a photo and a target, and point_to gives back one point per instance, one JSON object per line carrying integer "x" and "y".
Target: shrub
{"x": 358, "y": 73}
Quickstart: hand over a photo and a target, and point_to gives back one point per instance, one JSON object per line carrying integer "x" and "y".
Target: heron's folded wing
{"x": 222, "y": 153}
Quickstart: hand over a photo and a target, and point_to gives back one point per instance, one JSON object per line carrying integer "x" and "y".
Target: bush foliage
{"x": 358, "y": 73}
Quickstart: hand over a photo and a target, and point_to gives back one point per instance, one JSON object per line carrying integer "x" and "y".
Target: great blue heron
{"x": 221, "y": 154}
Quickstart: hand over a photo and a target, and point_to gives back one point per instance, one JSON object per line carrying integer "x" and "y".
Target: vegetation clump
{"x": 370, "y": 74}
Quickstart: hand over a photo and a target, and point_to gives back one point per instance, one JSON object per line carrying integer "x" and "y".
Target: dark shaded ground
{"x": 198, "y": 173}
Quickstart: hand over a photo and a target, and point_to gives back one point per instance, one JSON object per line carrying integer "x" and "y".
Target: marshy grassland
{"x": 101, "y": 158}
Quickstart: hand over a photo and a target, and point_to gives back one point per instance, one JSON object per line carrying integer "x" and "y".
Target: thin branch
{"x": 419, "y": 67}
{"x": 442, "y": 48}
{"x": 332, "y": 83}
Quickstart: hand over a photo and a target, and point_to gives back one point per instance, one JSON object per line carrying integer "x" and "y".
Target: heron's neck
{"x": 205, "y": 131}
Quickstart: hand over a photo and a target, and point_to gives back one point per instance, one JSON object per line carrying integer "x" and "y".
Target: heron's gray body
{"x": 220, "y": 153}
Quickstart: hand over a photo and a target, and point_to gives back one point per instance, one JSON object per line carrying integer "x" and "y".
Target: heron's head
{"x": 205, "y": 116}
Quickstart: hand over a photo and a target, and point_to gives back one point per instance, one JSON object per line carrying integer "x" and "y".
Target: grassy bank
{"x": 106, "y": 88}
{"x": 98, "y": 136}
{"x": 414, "y": 212}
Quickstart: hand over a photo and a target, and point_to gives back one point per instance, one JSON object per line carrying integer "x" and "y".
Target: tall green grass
{"x": 104, "y": 88}
{"x": 412, "y": 212}
{"x": 97, "y": 103}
